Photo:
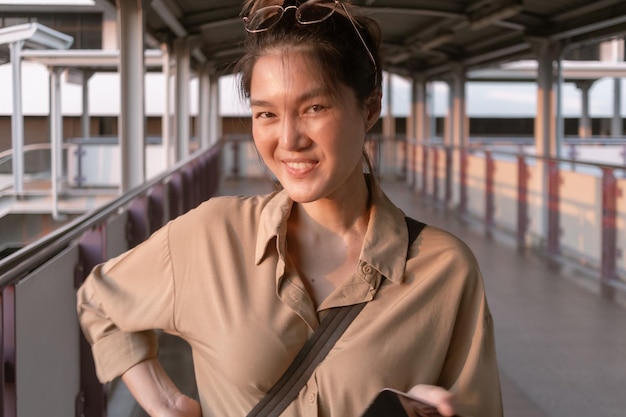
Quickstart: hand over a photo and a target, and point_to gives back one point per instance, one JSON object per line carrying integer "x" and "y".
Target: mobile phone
{"x": 392, "y": 403}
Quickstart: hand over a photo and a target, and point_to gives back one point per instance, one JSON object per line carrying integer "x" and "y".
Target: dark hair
{"x": 333, "y": 44}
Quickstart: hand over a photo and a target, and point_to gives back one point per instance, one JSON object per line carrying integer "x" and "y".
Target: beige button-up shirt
{"x": 216, "y": 277}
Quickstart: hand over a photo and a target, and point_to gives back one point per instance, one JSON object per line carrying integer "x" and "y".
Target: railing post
{"x": 235, "y": 168}
{"x": 554, "y": 180}
{"x": 435, "y": 173}
{"x": 448, "y": 156}
{"x": 610, "y": 192}
{"x": 489, "y": 191}
{"x": 463, "y": 182}
{"x": 522, "y": 201}
{"x": 424, "y": 169}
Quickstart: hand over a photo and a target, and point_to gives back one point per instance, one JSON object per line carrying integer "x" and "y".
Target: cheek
{"x": 262, "y": 144}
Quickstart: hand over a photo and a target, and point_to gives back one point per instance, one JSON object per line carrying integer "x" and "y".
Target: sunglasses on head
{"x": 308, "y": 13}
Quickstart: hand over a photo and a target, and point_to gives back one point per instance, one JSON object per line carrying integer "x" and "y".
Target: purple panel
{"x": 91, "y": 401}
{"x": 175, "y": 195}
{"x": 138, "y": 227}
{"x": 156, "y": 208}
{"x": 522, "y": 200}
{"x": 91, "y": 252}
{"x": 188, "y": 188}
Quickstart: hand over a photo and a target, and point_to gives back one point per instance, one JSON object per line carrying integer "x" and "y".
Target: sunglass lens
{"x": 264, "y": 18}
{"x": 314, "y": 13}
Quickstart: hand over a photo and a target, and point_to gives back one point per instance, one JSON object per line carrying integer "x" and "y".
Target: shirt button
{"x": 367, "y": 271}
{"x": 311, "y": 398}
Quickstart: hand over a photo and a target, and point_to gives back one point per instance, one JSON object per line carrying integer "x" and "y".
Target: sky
{"x": 483, "y": 99}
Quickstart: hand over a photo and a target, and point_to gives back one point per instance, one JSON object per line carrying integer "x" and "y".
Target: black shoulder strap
{"x": 314, "y": 350}
{"x": 415, "y": 228}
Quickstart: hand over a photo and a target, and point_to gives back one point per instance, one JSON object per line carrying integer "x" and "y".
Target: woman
{"x": 246, "y": 280}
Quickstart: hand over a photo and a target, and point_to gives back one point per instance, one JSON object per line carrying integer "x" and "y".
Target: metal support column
{"x": 17, "y": 119}
{"x": 616, "y": 121}
{"x": 459, "y": 134}
{"x": 85, "y": 117}
{"x": 56, "y": 138}
{"x": 546, "y": 138}
{"x": 215, "y": 121}
{"x": 132, "y": 109}
{"x": 584, "y": 127}
{"x": 420, "y": 122}
{"x": 166, "y": 119}
{"x": 617, "y": 129}
{"x": 387, "y": 145}
{"x": 204, "y": 104}
{"x": 181, "y": 98}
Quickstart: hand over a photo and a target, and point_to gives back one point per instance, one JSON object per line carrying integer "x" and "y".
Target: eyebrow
{"x": 308, "y": 95}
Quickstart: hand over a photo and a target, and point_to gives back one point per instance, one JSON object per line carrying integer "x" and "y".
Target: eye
{"x": 264, "y": 115}
{"x": 316, "y": 108}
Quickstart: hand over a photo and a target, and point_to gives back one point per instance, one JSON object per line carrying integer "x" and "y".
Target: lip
{"x": 299, "y": 168}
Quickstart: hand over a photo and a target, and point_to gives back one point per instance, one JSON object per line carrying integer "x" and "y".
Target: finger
{"x": 439, "y": 397}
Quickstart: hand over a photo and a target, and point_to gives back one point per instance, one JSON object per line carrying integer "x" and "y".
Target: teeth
{"x": 298, "y": 165}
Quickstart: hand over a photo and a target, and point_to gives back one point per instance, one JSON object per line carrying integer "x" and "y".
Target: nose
{"x": 292, "y": 136}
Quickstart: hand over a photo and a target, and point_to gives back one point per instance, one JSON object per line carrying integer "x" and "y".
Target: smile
{"x": 299, "y": 167}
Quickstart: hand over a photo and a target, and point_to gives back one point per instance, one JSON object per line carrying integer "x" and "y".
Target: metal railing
{"x": 53, "y": 372}
{"x": 572, "y": 210}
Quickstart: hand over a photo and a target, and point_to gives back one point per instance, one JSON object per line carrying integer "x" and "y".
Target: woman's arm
{"x": 156, "y": 393}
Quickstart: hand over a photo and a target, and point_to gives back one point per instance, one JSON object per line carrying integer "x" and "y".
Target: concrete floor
{"x": 561, "y": 348}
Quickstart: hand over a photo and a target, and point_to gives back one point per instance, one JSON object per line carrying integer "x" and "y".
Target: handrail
{"x": 495, "y": 151}
{"x": 25, "y": 260}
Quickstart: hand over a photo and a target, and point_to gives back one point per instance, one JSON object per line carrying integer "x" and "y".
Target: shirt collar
{"x": 273, "y": 225}
{"x": 386, "y": 240}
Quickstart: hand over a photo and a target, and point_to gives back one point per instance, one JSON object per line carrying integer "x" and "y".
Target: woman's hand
{"x": 183, "y": 406}
{"x": 440, "y": 398}
{"x": 156, "y": 393}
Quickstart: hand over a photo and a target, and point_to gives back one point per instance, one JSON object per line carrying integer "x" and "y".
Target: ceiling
{"x": 419, "y": 36}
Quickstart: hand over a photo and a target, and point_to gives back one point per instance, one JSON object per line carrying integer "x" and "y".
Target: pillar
{"x": 56, "y": 138}
{"x": 459, "y": 137}
{"x": 181, "y": 98}
{"x": 215, "y": 121}
{"x": 17, "y": 118}
{"x": 166, "y": 120}
{"x": 420, "y": 123}
{"x": 204, "y": 104}
{"x": 132, "y": 84}
{"x": 546, "y": 142}
{"x": 85, "y": 117}
{"x": 584, "y": 126}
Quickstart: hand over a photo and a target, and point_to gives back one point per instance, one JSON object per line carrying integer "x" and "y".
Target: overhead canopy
{"x": 91, "y": 60}
{"x": 34, "y": 36}
{"x": 419, "y": 36}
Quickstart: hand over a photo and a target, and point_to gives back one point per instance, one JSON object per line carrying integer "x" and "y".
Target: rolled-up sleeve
{"x": 121, "y": 303}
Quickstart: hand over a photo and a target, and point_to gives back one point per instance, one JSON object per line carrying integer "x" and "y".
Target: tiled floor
{"x": 561, "y": 348}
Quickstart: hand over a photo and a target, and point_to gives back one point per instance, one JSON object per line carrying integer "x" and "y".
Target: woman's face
{"x": 310, "y": 139}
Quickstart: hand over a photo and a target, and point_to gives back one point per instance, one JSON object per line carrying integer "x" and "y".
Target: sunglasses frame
{"x": 298, "y": 15}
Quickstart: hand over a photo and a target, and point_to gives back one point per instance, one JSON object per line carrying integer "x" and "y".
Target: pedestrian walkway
{"x": 561, "y": 348}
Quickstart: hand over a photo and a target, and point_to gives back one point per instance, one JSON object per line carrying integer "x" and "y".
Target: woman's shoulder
{"x": 437, "y": 246}
{"x": 228, "y": 207}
